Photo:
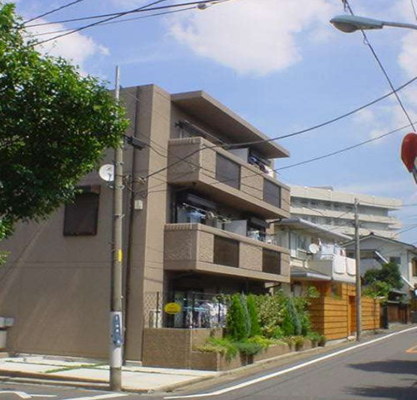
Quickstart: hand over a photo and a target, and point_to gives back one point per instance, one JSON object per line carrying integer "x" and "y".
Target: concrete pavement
{"x": 135, "y": 378}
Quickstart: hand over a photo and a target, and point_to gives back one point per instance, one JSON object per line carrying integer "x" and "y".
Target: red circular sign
{"x": 409, "y": 150}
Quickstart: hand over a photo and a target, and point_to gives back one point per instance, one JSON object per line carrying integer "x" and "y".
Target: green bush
{"x": 237, "y": 324}
{"x": 314, "y": 337}
{"x": 223, "y": 346}
{"x": 255, "y": 329}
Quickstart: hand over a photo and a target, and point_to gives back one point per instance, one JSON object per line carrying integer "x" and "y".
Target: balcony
{"x": 339, "y": 268}
{"x": 205, "y": 249}
{"x": 226, "y": 178}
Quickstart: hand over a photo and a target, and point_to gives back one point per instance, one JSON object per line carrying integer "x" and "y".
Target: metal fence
{"x": 193, "y": 310}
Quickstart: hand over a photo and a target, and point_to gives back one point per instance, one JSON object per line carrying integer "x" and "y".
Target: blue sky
{"x": 277, "y": 63}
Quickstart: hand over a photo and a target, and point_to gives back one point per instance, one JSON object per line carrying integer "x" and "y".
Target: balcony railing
{"x": 226, "y": 177}
{"x": 205, "y": 249}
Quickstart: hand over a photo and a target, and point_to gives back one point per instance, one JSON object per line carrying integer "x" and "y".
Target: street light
{"x": 352, "y": 23}
{"x": 349, "y": 24}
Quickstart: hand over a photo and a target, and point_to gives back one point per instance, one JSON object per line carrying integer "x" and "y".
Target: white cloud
{"x": 253, "y": 36}
{"x": 76, "y": 48}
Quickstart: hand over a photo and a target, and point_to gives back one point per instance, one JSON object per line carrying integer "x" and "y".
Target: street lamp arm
{"x": 352, "y": 23}
{"x": 399, "y": 25}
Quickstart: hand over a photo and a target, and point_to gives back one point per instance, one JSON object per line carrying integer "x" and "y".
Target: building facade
{"x": 336, "y": 211}
{"x": 196, "y": 201}
{"x": 376, "y": 251}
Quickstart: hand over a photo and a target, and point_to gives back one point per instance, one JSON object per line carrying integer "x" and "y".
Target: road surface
{"x": 379, "y": 368}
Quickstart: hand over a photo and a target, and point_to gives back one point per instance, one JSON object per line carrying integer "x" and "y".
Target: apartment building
{"x": 196, "y": 202}
{"x": 335, "y": 210}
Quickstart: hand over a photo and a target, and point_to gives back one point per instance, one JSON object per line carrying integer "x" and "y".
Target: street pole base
{"x": 115, "y": 379}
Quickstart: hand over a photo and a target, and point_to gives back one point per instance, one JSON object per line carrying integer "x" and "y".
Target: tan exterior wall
{"x": 57, "y": 287}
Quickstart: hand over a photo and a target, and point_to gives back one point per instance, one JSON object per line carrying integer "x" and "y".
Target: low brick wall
{"x": 176, "y": 348}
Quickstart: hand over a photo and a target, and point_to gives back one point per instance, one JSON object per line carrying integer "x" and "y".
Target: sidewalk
{"x": 96, "y": 375}
{"x": 135, "y": 378}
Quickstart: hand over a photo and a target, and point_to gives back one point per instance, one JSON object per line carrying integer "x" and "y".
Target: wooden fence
{"x": 335, "y": 317}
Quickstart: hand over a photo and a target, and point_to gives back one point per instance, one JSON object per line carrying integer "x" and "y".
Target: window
{"x": 271, "y": 261}
{"x": 272, "y": 193}
{"x": 227, "y": 171}
{"x": 414, "y": 261}
{"x": 81, "y": 216}
{"x": 226, "y": 251}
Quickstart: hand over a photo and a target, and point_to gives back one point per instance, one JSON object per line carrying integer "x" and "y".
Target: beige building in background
{"x": 194, "y": 221}
{"x": 335, "y": 210}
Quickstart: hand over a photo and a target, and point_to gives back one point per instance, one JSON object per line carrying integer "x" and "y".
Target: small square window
{"x": 81, "y": 215}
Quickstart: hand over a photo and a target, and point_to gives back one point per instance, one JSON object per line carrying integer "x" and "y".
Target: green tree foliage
{"x": 55, "y": 125}
{"x": 388, "y": 273}
{"x": 255, "y": 329}
{"x": 237, "y": 319}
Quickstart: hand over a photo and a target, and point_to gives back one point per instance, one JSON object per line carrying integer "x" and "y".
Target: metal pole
{"x": 358, "y": 275}
{"x": 116, "y": 330}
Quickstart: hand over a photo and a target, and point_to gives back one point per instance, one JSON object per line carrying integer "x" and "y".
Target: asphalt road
{"x": 379, "y": 368}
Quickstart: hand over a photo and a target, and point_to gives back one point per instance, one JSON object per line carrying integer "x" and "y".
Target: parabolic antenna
{"x": 106, "y": 172}
{"x": 313, "y": 248}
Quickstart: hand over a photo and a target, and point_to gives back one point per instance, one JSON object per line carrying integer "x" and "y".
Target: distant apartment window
{"x": 271, "y": 261}
{"x": 226, "y": 251}
{"x": 395, "y": 260}
{"x": 227, "y": 171}
{"x": 272, "y": 193}
{"x": 81, "y": 215}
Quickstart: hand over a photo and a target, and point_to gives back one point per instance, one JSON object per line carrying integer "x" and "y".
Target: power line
{"x": 381, "y": 66}
{"x": 52, "y": 11}
{"x": 124, "y": 20}
{"x": 333, "y": 153}
{"x": 199, "y": 4}
{"x": 118, "y": 15}
{"x": 414, "y": 9}
{"x": 284, "y": 136}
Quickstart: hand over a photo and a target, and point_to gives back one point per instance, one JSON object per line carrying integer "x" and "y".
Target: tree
{"x": 55, "y": 126}
{"x": 237, "y": 322}
{"x": 379, "y": 282}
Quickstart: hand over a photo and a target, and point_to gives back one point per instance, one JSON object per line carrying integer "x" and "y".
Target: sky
{"x": 279, "y": 64}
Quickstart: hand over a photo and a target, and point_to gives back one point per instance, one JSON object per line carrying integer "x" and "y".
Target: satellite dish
{"x": 313, "y": 248}
{"x": 106, "y": 172}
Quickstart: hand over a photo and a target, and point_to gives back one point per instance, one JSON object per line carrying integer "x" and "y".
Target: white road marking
{"x": 24, "y": 395}
{"x": 100, "y": 396}
{"x": 285, "y": 371}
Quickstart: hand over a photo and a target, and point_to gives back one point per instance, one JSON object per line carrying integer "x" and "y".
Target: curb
{"x": 89, "y": 383}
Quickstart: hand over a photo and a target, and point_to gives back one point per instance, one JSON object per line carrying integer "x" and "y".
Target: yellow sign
{"x": 172, "y": 308}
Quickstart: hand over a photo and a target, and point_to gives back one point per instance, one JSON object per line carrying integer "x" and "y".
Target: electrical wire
{"x": 52, "y": 11}
{"x": 381, "y": 66}
{"x": 333, "y": 153}
{"x": 414, "y": 9}
{"x": 328, "y": 122}
{"x": 119, "y": 22}
{"x": 118, "y": 15}
{"x": 197, "y": 3}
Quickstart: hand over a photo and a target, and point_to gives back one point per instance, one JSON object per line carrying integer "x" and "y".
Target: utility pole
{"x": 116, "y": 311}
{"x": 358, "y": 275}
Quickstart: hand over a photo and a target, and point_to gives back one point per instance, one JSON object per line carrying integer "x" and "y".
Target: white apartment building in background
{"x": 335, "y": 211}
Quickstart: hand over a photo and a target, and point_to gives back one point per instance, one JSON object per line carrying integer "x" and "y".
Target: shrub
{"x": 291, "y": 325}
{"x": 253, "y": 316}
{"x": 298, "y": 342}
{"x": 237, "y": 326}
{"x": 223, "y": 346}
{"x": 314, "y": 337}
{"x": 322, "y": 341}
